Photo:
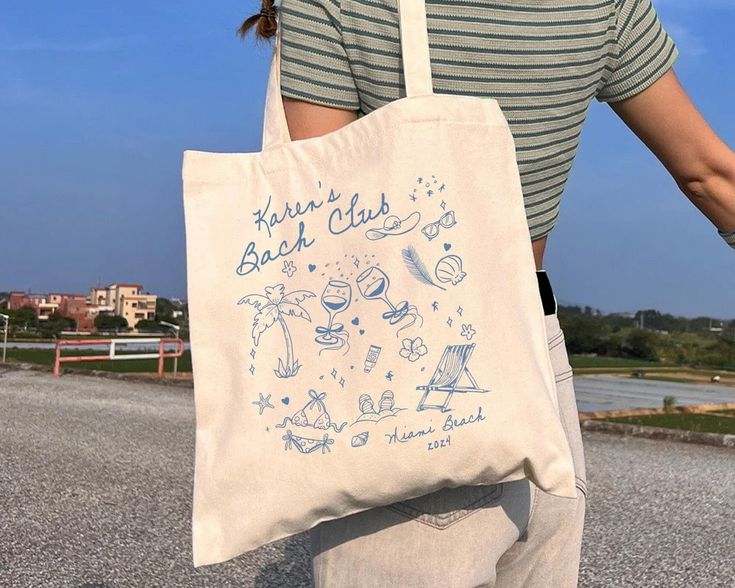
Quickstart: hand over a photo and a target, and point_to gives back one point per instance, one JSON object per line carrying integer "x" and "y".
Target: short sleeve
{"x": 314, "y": 63}
{"x": 729, "y": 237}
{"x": 645, "y": 51}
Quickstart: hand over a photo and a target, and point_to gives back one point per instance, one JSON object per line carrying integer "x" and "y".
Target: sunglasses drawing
{"x": 446, "y": 220}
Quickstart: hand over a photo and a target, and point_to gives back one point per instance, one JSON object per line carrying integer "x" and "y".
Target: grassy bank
{"x": 722, "y": 422}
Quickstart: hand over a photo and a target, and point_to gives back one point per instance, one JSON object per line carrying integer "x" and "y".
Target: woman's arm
{"x": 703, "y": 166}
{"x": 306, "y": 119}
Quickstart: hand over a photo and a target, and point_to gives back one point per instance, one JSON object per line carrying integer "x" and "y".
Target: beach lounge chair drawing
{"x": 446, "y": 379}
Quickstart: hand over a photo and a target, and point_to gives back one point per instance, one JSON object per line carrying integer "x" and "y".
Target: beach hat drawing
{"x": 392, "y": 225}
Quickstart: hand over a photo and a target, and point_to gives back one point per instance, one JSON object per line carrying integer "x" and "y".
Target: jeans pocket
{"x": 447, "y": 506}
{"x": 566, "y": 398}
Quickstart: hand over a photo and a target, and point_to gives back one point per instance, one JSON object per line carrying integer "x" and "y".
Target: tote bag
{"x": 365, "y": 319}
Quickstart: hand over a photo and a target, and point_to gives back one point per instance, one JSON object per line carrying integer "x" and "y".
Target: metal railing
{"x": 113, "y": 348}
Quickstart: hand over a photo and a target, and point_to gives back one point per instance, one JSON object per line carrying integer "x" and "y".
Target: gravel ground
{"x": 96, "y": 478}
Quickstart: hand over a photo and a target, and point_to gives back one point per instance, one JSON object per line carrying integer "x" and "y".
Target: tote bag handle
{"x": 414, "y": 38}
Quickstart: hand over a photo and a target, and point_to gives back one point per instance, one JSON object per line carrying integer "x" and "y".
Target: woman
{"x": 544, "y": 61}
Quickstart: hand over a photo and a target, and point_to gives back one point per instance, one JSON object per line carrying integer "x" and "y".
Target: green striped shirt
{"x": 542, "y": 60}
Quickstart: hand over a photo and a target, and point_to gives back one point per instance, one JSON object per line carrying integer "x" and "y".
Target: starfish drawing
{"x": 263, "y": 403}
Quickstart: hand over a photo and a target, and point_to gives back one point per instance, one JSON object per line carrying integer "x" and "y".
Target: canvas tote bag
{"x": 365, "y": 319}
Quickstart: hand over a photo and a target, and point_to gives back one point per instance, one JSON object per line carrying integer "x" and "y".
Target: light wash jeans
{"x": 507, "y": 535}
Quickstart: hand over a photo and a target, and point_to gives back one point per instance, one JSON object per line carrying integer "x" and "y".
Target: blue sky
{"x": 100, "y": 99}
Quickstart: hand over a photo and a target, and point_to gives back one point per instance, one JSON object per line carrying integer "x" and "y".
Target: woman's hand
{"x": 703, "y": 166}
{"x": 306, "y": 119}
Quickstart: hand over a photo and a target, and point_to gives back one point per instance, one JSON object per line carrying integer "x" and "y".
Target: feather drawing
{"x": 417, "y": 268}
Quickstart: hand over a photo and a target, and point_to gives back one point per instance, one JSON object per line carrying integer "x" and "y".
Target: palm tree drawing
{"x": 272, "y": 308}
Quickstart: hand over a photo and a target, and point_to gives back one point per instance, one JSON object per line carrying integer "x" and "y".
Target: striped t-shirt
{"x": 542, "y": 60}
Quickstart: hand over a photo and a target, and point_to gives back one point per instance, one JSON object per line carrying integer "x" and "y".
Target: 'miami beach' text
{"x": 450, "y": 424}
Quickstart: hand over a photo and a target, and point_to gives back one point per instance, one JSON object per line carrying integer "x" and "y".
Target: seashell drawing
{"x": 449, "y": 269}
{"x": 360, "y": 439}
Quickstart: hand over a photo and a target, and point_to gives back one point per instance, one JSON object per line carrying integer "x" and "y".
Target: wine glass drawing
{"x": 335, "y": 299}
{"x": 373, "y": 284}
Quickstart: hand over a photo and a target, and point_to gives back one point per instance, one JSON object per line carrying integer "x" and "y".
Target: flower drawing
{"x": 413, "y": 349}
{"x": 467, "y": 331}
{"x": 289, "y": 268}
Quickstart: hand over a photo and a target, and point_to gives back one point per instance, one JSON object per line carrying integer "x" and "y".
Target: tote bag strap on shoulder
{"x": 416, "y": 70}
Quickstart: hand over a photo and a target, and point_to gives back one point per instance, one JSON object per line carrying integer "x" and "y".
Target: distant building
{"x": 73, "y": 306}
{"x": 41, "y": 303}
{"x": 126, "y": 300}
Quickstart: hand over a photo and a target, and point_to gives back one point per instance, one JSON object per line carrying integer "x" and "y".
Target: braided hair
{"x": 263, "y": 22}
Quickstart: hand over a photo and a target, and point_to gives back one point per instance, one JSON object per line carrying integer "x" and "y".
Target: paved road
{"x": 96, "y": 478}
{"x": 604, "y": 392}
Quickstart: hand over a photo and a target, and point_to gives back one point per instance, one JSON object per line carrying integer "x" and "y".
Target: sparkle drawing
{"x": 360, "y": 439}
{"x": 262, "y": 403}
{"x": 305, "y": 445}
{"x": 273, "y": 307}
{"x": 314, "y": 414}
{"x": 373, "y": 284}
{"x": 446, "y": 221}
{"x": 335, "y": 299}
{"x": 417, "y": 268}
{"x": 413, "y": 349}
{"x": 386, "y": 408}
{"x": 449, "y": 269}
{"x": 452, "y": 367}
{"x": 393, "y": 225}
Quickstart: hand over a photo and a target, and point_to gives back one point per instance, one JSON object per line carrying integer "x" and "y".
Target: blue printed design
{"x": 417, "y": 268}
{"x": 446, "y": 221}
{"x": 360, "y": 439}
{"x": 449, "y": 269}
{"x": 272, "y": 308}
{"x": 467, "y": 331}
{"x": 413, "y": 349}
{"x": 289, "y": 268}
{"x": 372, "y": 358}
{"x": 452, "y": 367}
{"x": 373, "y": 284}
{"x": 335, "y": 299}
{"x": 314, "y": 414}
{"x": 393, "y": 225}
{"x": 306, "y": 445}
{"x": 262, "y": 403}
{"x": 386, "y": 408}
{"x": 344, "y": 243}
